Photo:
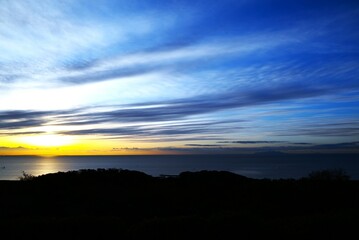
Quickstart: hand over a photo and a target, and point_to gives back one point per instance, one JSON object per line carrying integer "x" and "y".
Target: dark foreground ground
{"x": 121, "y": 204}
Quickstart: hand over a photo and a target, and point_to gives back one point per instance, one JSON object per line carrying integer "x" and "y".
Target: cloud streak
{"x": 178, "y": 73}
{"x": 206, "y": 149}
{"x": 251, "y": 142}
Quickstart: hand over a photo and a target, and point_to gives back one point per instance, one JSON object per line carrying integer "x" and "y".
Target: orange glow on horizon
{"x": 61, "y": 145}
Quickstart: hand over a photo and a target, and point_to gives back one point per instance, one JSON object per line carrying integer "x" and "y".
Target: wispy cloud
{"x": 202, "y": 145}
{"x": 251, "y": 142}
{"x": 173, "y": 72}
{"x": 349, "y": 147}
{"x": 54, "y": 30}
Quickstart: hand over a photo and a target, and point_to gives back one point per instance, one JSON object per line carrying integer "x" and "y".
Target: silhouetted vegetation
{"x": 329, "y": 175}
{"x": 208, "y": 204}
{"x": 26, "y": 176}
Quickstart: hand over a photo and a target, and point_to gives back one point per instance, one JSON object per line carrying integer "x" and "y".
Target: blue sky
{"x": 181, "y": 76}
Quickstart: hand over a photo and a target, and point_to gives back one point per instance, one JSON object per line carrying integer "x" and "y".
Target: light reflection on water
{"x": 46, "y": 165}
{"x": 287, "y": 166}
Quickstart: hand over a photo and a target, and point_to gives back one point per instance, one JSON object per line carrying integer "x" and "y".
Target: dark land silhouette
{"x": 123, "y": 204}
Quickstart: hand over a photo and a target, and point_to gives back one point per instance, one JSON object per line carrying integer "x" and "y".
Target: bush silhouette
{"x": 26, "y": 176}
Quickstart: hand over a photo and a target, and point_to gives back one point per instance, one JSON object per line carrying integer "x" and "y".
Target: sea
{"x": 251, "y": 165}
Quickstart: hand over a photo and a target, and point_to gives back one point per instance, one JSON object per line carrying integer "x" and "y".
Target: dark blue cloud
{"x": 202, "y": 145}
{"x": 264, "y": 142}
{"x": 104, "y": 75}
{"x": 252, "y": 142}
{"x": 166, "y": 131}
{"x": 350, "y": 147}
{"x": 22, "y": 119}
{"x": 21, "y": 124}
{"x": 11, "y": 120}
{"x": 23, "y": 114}
{"x": 20, "y": 133}
{"x": 350, "y": 129}
{"x": 346, "y": 145}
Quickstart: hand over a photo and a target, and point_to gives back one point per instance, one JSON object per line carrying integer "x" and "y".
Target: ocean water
{"x": 254, "y": 166}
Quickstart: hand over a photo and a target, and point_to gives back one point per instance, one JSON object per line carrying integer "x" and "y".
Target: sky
{"x": 82, "y": 77}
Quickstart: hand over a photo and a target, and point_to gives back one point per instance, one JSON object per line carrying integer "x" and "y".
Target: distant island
{"x": 208, "y": 204}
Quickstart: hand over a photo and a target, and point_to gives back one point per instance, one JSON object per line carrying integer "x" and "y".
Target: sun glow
{"x": 49, "y": 140}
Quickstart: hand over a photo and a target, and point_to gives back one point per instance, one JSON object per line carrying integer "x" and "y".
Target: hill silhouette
{"x": 208, "y": 204}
